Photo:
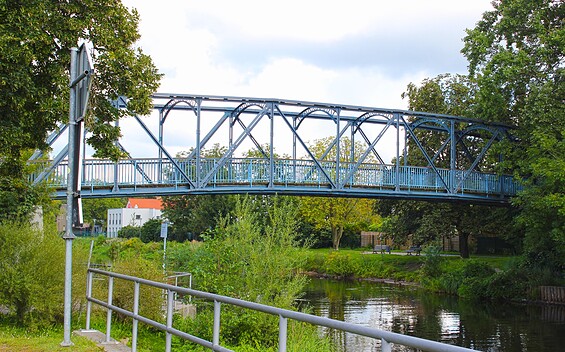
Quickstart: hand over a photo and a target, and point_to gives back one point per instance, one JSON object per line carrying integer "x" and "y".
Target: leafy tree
{"x": 514, "y": 50}
{"x": 35, "y": 39}
{"x": 516, "y": 54}
{"x": 151, "y": 231}
{"x": 424, "y": 222}
{"x": 129, "y": 231}
{"x": 97, "y": 209}
{"x": 31, "y": 262}
{"x": 193, "y": 215}
{"x": 336, "y": 214}
{"x": 248, "y": 258}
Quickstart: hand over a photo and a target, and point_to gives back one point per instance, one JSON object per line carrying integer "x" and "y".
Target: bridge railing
{"x": 387, "y": 338}
{"x": 138, "y": 173}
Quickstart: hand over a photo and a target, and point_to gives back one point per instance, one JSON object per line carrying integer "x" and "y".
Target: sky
{"x": 355, "y": 52}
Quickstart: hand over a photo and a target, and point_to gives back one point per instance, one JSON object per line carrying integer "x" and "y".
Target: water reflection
{"x": 478, "y": 325}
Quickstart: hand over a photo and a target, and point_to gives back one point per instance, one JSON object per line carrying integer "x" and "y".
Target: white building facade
{"x": 132, "y": 215}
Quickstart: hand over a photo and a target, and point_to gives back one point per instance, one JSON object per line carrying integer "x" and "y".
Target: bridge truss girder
{"x": 336, "y": 169}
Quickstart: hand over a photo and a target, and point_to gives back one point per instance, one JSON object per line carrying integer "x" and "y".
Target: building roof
{"x": 145, "y": 203}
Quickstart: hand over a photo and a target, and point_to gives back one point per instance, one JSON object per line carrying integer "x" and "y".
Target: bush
{"x": 248, "y": 258}
{"x": 432, "y": 261}
{"x": 340, "y": 264}
{"x": 129, "y": 231}
{"x": 150, "y": 298}
{"x": 32, "y": 263}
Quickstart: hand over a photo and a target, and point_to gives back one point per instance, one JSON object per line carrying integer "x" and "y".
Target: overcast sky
{"x": 358, "y": 52}
{"x": 351, "y": 52}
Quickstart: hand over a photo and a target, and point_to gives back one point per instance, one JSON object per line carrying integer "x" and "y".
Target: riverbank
{"x": 480, "y": 277}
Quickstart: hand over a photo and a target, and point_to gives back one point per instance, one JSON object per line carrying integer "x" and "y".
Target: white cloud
{"x": 359, "y": 52}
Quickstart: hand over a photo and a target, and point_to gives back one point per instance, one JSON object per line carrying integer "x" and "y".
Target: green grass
{"x": 43, "y": 340}
{"x": 362, "y": 263}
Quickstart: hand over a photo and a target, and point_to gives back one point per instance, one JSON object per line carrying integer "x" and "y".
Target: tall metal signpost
{"x": 80, "y": 79}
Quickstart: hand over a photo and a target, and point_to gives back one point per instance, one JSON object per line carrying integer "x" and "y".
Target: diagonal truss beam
{"x": 233, "y": 147}
{"x": 295, "y": 133}
{"x": 371, "y": 148}
{"x": 477, "y": 160}
{"x": 169, "y": 157}
{"x": 410, "y": 130}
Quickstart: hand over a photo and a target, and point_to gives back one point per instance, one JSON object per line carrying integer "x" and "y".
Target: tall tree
{"x": 427, "y": 222}
{"x": 335, "y": 214}
{"x": 193, "y": 215}
{"x": 35, "y": 41}
{"x": 516, "y": 54}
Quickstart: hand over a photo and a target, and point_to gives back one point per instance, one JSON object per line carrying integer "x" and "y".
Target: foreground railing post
{"x": 88, "y": 295}
{"x": 135, "y": 312}
{"x": 168, "y": 336}
{"x": 283, "y": 325}
{"x": 385, "y": 346}
{"x": 109, "y": 314}
{"x": 216, "y": 335}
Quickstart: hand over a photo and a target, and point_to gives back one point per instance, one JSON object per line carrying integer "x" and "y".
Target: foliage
{"x": 336, "y": 214}
{"x": 516, "y": 54}
{"x": 194, "y": 215}
{"x": 35, "y": 39}
{"x": 19, "y": 199}
{"x": 356, "y": 264}
{"x": 247, "y": 258}
{"x": 129, "y": 231}
{"x": 150, "y": 298}
{"x": 337, "y": 264}
{"x": 151, "y": 231}
{"x": 426, "y": 223}
{"x": 542, "y": 203}
{"x": 432, "y": 261}
{"x": 477, "y": 279}
{"x": 513, "y": 50}
{"x": 96, "y": 209}
{"x": 47, "y": 339}
{"x": 423, "y": 222}
{"x": 31, "y": 283}
{"x": 35, "y": 42}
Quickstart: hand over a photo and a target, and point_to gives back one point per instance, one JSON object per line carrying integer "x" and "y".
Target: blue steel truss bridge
{"x": 264, "y": 146}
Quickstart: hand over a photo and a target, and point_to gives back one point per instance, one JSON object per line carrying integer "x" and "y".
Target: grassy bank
{"x": 491, "y": 277}
{"x": 358, "y": 263}
{"x": 14, "y": 338}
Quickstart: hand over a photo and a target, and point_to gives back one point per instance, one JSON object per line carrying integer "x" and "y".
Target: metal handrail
{"x": 303, "y": 175}
{"x": 387, "y": 338}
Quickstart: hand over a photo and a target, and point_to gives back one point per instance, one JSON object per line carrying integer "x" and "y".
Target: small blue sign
{"x": 164, "y": 227}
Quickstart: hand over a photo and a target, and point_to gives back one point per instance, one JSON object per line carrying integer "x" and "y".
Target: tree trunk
{"x": 337, "y": 232}
{"x": 463, "y": 244}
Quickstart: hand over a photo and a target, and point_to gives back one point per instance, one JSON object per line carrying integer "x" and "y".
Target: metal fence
{"x": 387, "y": 338}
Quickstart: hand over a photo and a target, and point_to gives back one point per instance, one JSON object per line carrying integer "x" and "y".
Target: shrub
{"x": 150, "y": 298}
{"x": 32, "y": 263}
{"x": 248, "y": 258}
{"x": 340, "y": 264}
{"x": 432, "y": 261}
{"x": 129, "y": 231}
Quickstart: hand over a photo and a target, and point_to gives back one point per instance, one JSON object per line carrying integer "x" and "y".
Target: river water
{"x": 483, "y": 326}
